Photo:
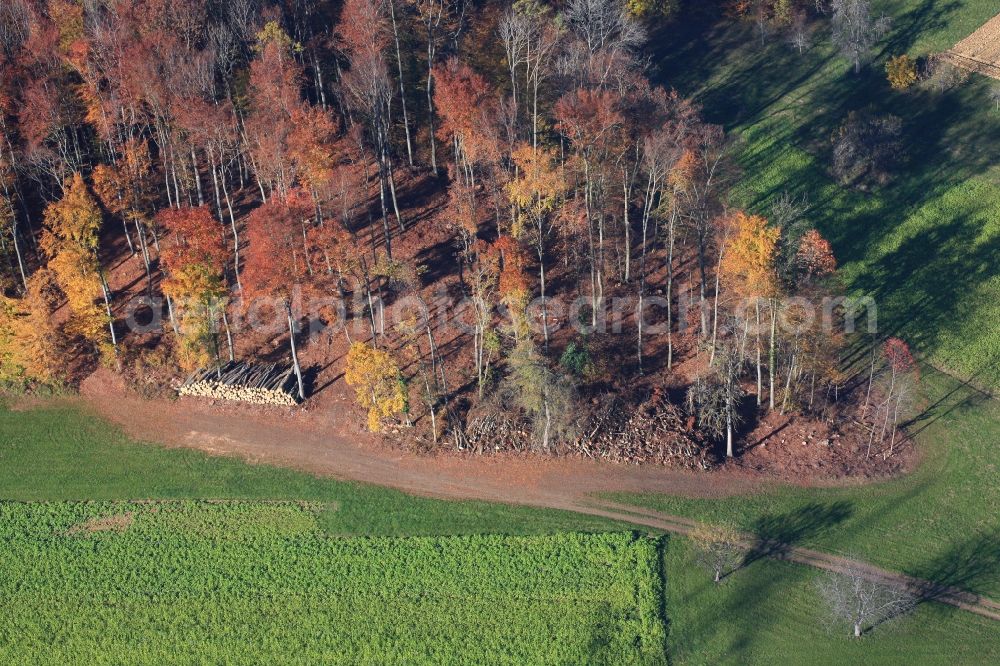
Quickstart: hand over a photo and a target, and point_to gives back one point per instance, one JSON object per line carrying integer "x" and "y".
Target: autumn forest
{"x": 494, "y": 222}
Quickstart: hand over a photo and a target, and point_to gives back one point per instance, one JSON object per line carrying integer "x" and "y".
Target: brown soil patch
{"x": 117, "y": 523}
{"x": 980, "y": 51}
{"x": 333, "y": 442}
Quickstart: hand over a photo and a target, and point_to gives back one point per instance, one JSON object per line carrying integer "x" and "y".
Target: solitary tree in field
{"x": 720, "y": 548}
{"x": 856, "y": 31}
{"x": 852, "y": 596}
{"x": 377, "y": 382}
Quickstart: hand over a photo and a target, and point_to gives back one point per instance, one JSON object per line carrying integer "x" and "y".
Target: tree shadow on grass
{"x": 777, "y": 534}
{"x": 973, "y": 564}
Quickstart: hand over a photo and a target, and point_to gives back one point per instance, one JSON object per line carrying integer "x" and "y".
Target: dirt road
{"x": 343, "y": 450}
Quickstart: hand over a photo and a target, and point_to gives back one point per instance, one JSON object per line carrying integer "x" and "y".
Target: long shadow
{"x": 777, "y": 534}
{"x": 964, "y": 396}
{"x": 973, "y": 564}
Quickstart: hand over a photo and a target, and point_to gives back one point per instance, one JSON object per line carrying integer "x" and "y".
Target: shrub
{"x": 901, "y": 72}
{"x": 867, "y": 148}
{"x": 576, "y": 360}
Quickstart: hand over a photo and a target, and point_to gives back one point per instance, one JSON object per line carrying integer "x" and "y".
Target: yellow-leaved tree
{"x": 70, "y": 241}
{"x": 750, "y": 267}
{"x": 535, "y": 193}
{"x": 31, "y": 345}
{"x": 377, "y": 382}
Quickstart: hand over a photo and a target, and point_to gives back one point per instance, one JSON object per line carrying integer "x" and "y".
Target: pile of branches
{"x": 264, "y": 384}
{"x": 491, "y": 427}
{"x": 657, "y": 432}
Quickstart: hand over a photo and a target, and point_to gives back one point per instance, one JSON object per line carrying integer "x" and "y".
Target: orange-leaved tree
{"x": 194, "y": 256}
{"x": 750, "y": 266}
{"x": 31, "y": 345}
{"x": 814, "y": 258}
{"x": 377, "y": 382}
{"x": 277, "y": 260}
{"x": 513, "y": 285}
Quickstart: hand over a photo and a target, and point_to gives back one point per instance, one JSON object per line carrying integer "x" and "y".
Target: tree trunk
{"x": 295, "y": 356}
{"x": 402, "y": 88}
{"x": 771, "y": 353}
{"x": 760, "y": 379}
{"x": 729, "y": 432}
{"x": 229, "y": 334}
{"x": 430, "y": 99}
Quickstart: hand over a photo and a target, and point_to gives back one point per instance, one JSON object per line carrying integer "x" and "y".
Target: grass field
{"x": 62, "y": 453}
{"x": 925, "y": 245}
{"x": 176, "y": 550}
{"x": 771, "y": 613}
{"x": 185, "y": 582}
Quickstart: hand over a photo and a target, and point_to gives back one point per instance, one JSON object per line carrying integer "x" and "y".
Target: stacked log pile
{"x": 263, "y": 384}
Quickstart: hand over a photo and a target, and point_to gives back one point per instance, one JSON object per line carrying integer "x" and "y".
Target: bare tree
{"x": 995, "y": 95}
{"x": 715, "y": 399}
{"x": 605, "y": 37}
{"x": 799, "y": 32}
{"x": 604, "y": 25}
{"x": 530, "y": 40}
{"x": 855, "y": 31}
{"x": 719, "y": 548}
{"x": 852, "y": 596}
{"x": 434, "y": 15}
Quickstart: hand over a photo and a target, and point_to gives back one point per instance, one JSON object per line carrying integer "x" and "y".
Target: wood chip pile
{"x": 263, "y": 384}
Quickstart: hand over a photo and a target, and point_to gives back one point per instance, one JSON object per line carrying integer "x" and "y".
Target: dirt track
{"x": 345, "y": 451}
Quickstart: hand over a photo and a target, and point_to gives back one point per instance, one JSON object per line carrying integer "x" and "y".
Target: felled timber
{"x": 258, "y": 384}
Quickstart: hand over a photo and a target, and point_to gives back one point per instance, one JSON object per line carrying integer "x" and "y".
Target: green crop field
{"x": 183, "y": 557}
{"x": 187, "y": 581}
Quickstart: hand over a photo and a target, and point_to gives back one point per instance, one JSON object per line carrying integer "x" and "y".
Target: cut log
{"x": 262, "y": 384}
